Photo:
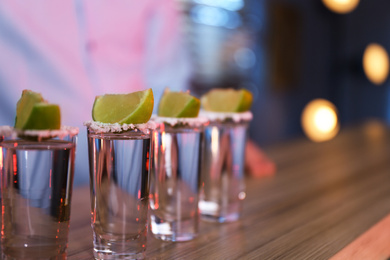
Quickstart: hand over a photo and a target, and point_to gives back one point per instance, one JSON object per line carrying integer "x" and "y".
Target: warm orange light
{"x": 1, "y": 158}
{"x": 376, "y": 63}
{"x": 319, "y": 120}
{"x": 375, "y": 130}
{"x": 341, "y": 6}
{"x": 214, "y": 141}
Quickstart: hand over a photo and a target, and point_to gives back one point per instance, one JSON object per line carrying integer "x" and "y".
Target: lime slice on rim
{"x": 44, "y": 116}
{"x": 227, "y": 100}
{"x": 132, "y": 108}
{"x": 33, "y": 112}
{"x": 178, "y": 104}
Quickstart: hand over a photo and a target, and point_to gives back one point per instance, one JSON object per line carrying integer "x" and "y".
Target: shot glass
{"x": 3, "y": 132}
{"x": 222, "y": 173}
{"x": 119, "y": 185}
{"x": 175, "y": 175}
{"x": 37, "y": 180}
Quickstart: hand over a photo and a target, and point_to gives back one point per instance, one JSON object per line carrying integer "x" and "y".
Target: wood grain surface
{"x": 322, "y": 198}
{"x": 373, "y": 244}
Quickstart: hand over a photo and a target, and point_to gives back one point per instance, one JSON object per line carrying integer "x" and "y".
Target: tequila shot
{"x": 119, "y": 185}
{"x": 37, "y": 179}
{"x": 222, "y": 173}
{"x": 4, "y": 131}
{"x": 175, "y": 175}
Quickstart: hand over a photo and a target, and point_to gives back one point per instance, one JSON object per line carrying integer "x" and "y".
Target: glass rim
{"x": 9, "y": 132}
{"x": 228, "y": 123}
{"x": 228, "y": 117}
{"x": 185, "y": 122}
{"x": 116, "y": 128}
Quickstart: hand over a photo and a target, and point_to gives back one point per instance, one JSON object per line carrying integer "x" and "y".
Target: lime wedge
{"x": 33, "y": 112}
{"x": 132, "y": 108}
{"x": 178, "y": 104}
{"x": 44, "y": 116}
{"x": 25, "y": 105}
{"x": 227, "y": 100}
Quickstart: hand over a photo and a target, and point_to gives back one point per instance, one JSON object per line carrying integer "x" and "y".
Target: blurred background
{"x": 314, "y": 66}
{"x": 290, "y": 53}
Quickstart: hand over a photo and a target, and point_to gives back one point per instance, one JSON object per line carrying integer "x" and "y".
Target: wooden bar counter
{"x": 326, "y": 200}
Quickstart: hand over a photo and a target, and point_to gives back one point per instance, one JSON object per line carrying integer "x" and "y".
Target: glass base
{"x": 110, "y": 255}
{"x": 177, "y": 231}
{"x": 131, "y": 249}
{"x": 212, "y": 211}
{"x": 221, "y": 219}
{"x": 175, "y": 238}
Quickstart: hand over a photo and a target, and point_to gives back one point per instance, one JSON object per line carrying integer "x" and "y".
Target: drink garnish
{"x": 131, "y": 108}
{"x": 178, "y": 105}
{"x": 227, "y": 100}
{"x": 34, "y": 113}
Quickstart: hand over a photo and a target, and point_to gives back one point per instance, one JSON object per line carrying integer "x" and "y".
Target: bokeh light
{"x": 215, "y": 16}
{"x": 341, "y": 6}
{"x": 319, "y": 120}
{"x": 231, "y": 5}
{"x": 376, "y": 63}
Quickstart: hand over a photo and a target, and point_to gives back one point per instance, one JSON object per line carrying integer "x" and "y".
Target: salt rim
{"x": 223, "y": 116}
{"x": 6, "y": 131}
{"x": 10, "y": 132}
{"x": 185, "y": 121}
{"x": 99, "y": 127}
